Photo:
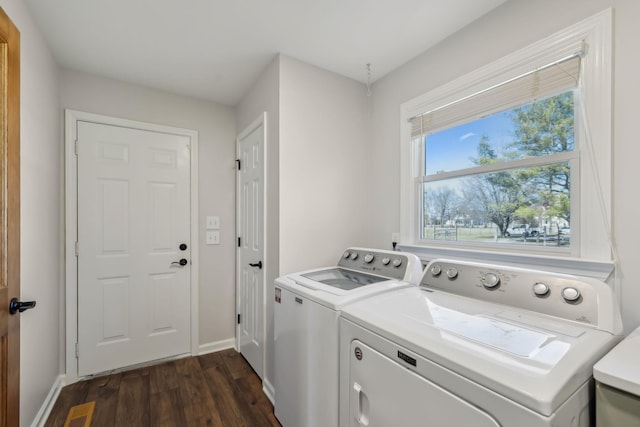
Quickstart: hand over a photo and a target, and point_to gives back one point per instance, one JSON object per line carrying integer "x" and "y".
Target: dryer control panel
{"x": 581, "y": 299}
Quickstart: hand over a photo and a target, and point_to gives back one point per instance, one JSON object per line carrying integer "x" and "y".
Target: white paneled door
{"x": 251, "y": 263}
{"x": 133, "y": 246}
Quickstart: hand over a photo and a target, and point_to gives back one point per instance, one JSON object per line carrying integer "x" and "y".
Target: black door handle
{"x": 182, "y": 262}
{"x": 18, "y": 306}
{"x": 257, "y": 264}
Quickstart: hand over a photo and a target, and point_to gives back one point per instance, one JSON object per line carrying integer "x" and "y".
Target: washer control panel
{"x": 569, "y": 297}
{"x": 394, "y": 265}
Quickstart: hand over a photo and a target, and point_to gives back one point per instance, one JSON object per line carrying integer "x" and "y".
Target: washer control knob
{"x": 397, "y": 262}
{"x": 490, "y": 280}
{"x": 368, "y": 258}
{"x": 452, "y": 273}
{"x": 570, "y": 294}
{"x": 435, "y": 270}
{"x": 346, "y": 255}
{"x": 354, "y": 256}
{"x": 386, "y": 260}
{"x": 540, "y": 289}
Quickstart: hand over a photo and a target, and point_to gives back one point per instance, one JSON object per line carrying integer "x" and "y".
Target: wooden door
{"x": 9, "y": 220}
{"x": 251, "y": 292}
{"x": 134, "y": 228}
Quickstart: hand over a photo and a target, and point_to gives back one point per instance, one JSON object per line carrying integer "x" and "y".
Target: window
{"x": 516, "y": 156}
{"x": 505, "y": 177}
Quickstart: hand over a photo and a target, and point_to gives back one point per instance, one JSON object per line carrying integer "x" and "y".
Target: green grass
{"x": 484, "y": 234}
{"x": 475, "y": 234}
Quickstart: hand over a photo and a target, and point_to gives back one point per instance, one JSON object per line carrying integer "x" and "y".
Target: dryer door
{"x": 384, "y": 393}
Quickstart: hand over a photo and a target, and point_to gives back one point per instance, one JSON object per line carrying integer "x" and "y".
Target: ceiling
{"x": 215, "y": 50}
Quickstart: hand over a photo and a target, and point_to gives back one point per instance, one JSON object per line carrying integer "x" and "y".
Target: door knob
{"x": 182, "y": 262}
{"x": 18, "y": 306}
{"x": 257, "y": 264}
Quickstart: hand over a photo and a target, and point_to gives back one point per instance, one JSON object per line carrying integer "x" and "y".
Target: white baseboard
{"x": 269, "y": 391}
{"x": 47, "y": 405}
{"x": 216, "y": 346}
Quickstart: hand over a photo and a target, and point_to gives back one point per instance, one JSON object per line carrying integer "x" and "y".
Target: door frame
{"x": 260, "y": 120}
{"x": 10, "y": 218}
{"x": 71, "y": 226}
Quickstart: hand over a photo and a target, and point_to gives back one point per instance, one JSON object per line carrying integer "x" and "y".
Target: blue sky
{"x": 452, "y": 148}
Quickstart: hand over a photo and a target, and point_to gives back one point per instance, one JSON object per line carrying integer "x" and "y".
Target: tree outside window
{"x": 486, "y": 206}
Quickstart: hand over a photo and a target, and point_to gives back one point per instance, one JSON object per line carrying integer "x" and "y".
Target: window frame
{"x": 590, "y": 215}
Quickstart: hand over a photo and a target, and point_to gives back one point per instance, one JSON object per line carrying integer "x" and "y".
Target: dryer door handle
{"x": 360, "y": 405}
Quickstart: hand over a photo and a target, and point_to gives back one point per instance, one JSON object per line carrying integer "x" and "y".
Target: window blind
{"x": 552, "y": 79}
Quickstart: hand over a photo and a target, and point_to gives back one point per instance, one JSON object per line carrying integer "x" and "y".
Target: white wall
{"x": 510, "y": 27}
{"x": 216, "y": 139}
{"x": 324, "y": 173}
{"x": 626, "y": 155}
{"x": 40, "y": 252}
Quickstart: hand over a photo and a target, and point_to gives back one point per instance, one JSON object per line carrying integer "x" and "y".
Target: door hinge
{"x": 77, "y": 351}
{"x": 239, "y": 244}
{"x": 238, "y": 319}
{"x": 239, "y": 162}
{"x": 77, "y": 248}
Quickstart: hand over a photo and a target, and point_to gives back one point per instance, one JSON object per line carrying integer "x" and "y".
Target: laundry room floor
{"x": 217, "y": 389}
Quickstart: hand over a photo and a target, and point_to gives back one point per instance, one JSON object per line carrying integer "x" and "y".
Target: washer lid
{"x": 333, "y": 297}
{"x": 342, "y": 278}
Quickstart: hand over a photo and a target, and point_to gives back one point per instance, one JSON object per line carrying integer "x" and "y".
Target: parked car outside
{"x": 522, "y": 230}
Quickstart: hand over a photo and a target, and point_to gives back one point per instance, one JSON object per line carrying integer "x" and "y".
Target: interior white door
{"x": 250, "y": 189}
{"x": 133, "y": 216}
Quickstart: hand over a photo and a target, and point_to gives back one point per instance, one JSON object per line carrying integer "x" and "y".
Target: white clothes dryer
{"x": 306, "y": 311}
{"x": 476, "y": 345}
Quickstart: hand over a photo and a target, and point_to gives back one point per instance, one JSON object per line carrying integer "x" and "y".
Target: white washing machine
{"x": 476, "y": 345}
{"x": 306, "y": 310}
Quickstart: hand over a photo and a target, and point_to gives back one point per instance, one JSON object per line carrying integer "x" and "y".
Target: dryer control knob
{"x": 452, "y": 273}
{"x": 435, "y": 270}
{"x": 386, "y": 261}
{"x": 397, "y": 262}
{"x": 354, "y": 256}
{"x": 490, "y": 280}
{"x": 541, "y": 289}
{"x": 368, "y": 258}
{"x": 571, "y": 294}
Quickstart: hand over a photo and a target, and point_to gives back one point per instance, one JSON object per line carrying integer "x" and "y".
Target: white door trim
{"x": 261, "y": 120}
{"x": 71, "y": 226}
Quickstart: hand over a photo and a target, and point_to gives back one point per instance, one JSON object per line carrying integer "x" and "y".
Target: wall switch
{"x": 213, "y": 237}
{"x": 213, "y": 222}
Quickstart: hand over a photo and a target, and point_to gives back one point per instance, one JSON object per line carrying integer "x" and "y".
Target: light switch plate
{"x": 213, "y": 222}
{"x": 213, "y": 237}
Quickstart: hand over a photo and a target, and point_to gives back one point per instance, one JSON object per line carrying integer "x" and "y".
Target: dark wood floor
{"x": 217, "y": 389}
